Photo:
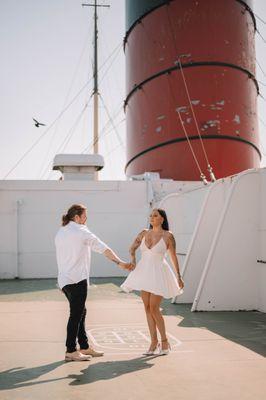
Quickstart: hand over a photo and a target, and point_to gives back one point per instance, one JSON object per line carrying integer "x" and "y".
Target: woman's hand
{"x": 125, "y": 265}
{"x": 132, "y": 265}
{"x": 180, "y": 282}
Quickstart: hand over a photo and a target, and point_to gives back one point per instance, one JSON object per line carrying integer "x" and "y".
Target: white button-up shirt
{"x": 74, "y": 243}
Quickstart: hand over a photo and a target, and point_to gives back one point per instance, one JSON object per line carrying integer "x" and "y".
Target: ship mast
{"x": 95, "y": 92}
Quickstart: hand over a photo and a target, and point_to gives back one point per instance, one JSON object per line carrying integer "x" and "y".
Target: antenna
{"x": 95, "y": 74}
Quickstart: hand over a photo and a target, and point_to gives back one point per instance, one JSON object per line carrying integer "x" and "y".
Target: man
{"x": 74, "y": 243}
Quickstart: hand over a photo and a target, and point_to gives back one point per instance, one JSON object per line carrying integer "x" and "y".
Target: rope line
{"x": 209, "y": 168}
{"x": 102, "y": 132}
{"x": 67, "y": 138}
{"x": 202, "y": 176}
{"x": 112, "y": 123}
{"x": 56, "y": 119}
{"x": 102, "y": 135}
{"x": 196, "y": 123}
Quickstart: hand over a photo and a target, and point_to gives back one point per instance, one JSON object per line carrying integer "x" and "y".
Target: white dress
{"x": 152, "y": 273}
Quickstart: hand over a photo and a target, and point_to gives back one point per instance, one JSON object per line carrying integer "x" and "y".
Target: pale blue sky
{"x": 46, "y": 50}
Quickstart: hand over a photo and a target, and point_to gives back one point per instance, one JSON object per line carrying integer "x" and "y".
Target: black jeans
{"x": 76, "y": 294}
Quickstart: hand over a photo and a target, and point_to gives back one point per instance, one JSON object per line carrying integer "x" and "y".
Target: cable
{"x": 187, "y": 137}
{"x": 101, "y": 136}
{"x": 87, "y": 148}
{"x": 212, "y": 176}
{"x": 105, "y": 73}
{"x": 66, "y": 98}
{"x": 261, "y": 36}
{"x": 69, "y": 136}
{"x": 45, "y": 132}
{"x": 110, "y": 152}
{"x": 262, "y": 96}
{"x": 261, "y": 68}
{"x": 259, "y": 18}
{"x": 65, "y": 143}
{"x": 102, "y": 132}
{"x": 261, "y": 120}
{"x": 57, "y": 118}
{"x": 112, "y": 122}
{"x": 261, "y": 83}
{"x": 196, "y": 123}
{"x": 194, "y": 117}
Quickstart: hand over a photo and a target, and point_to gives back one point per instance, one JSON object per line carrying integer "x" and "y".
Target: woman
{"x": 153, "y": 276}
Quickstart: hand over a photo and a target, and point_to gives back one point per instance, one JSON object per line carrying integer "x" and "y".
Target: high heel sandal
{"x": 151, "y": 352}
{"x": 164, "y": 352}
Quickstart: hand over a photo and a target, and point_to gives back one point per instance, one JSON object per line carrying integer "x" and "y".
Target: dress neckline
{"x": 150, "y": 248}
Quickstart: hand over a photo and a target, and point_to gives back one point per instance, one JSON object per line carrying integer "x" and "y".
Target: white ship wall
{"x": 225, "y": 265}
{"x": 31, "y": 211}
{"x": 220, "y": 231}
{"x": 183, "y": 209}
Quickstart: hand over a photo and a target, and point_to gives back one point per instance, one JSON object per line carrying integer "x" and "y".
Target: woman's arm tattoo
{"x": 172, "y": 241}
{"x": 136, "y": 244}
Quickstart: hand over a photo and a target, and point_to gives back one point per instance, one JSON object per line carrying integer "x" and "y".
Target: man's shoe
{"x": 91, "y": 352}
{"x": 76, "y": 356}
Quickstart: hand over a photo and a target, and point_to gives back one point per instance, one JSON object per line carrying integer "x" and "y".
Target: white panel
{"x": 262, "y": 287}
{"x": 202, "y": 237}
{"x": 37, "y": 265}
{"x": 229, "y": 279}
{"x": 8, "y": 265}
{"x": 183, "y": 210}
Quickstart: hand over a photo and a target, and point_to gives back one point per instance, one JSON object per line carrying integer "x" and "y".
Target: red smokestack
{"x": 214, "y": 42}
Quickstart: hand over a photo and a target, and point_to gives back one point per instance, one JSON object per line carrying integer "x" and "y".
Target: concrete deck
{"x": 215, "y": 355}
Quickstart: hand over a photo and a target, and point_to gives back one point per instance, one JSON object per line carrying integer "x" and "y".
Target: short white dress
{"x": 152, "y": 273}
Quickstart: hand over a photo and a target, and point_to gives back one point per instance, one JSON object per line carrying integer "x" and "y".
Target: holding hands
{"x": 126, "y": 265}
{"x": 122, "y": 264}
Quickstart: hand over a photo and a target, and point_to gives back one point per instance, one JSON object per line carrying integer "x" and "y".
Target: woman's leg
{"x": 151, "y": 322}
{"x": 155, "y": 302}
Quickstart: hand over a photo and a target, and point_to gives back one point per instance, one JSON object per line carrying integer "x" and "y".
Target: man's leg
{"x": 76, "y": 295}
{"x": 82, "y": 335}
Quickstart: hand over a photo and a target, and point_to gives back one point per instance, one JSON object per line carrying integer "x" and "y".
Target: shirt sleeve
{"x": 93, "y": 241}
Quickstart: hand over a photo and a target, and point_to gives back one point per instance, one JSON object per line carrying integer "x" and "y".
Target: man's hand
{"x": 127, "y": 266}
{"x": 132, "y": 266}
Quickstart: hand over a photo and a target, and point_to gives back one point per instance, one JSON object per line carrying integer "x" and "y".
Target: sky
{"x": 46, "y": 73}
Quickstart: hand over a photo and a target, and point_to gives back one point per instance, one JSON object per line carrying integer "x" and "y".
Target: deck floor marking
{"x": 144, "y": 336}
{"x": 118, "y": 337}
{"x": 126, "y": 338}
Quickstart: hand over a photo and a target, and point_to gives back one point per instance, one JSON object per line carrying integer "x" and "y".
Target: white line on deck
{"x": 106, "y": 353}
{"x": 144, "y": 336}
{"x": 118, "y": 337}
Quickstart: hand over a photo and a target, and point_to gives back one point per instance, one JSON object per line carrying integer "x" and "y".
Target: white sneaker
{"x": 76, "y": 356}
{"x": 91, "y": 352}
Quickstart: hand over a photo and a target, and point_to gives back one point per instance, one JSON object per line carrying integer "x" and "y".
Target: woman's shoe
{"x": 164, "y": 352}
{"x": 151, "y": 352}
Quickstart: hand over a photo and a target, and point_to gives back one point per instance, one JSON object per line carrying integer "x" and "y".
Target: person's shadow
{"x": 109, "y": 370}
{"x": 20, "y": 377}
{"x": 23, "y": 377}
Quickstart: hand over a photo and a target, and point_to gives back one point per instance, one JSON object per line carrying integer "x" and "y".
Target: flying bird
{"x": 37, "y": 124}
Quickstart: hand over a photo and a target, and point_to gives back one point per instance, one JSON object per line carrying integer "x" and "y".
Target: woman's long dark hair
{"x": 165, "y": 224}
